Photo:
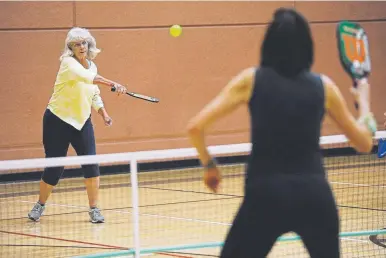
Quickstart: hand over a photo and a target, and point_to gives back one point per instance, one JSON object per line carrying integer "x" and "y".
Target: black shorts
{"x": 57, "y": 137}
{"x": 274, "y": 205}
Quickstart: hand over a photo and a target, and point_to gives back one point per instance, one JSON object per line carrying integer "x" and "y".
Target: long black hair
{"x": 288, "y": 46}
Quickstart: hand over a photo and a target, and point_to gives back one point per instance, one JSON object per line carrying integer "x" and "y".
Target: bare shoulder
{"x": 248, "y": 75}
{"x": 329, "y": 85}
{"x": 250, "y": 71}
{"x": 332, "y": 93}
{"x": 327, "y": 81}
{"x": 240, "y": 87}
{"x": 244, "y": 79}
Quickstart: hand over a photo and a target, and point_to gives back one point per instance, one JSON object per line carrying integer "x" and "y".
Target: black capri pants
{"x": 275, "y": 205}
{"x": 57, "y": 137}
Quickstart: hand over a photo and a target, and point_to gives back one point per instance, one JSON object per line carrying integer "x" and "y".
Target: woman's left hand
{"x": 212, "y": 179}
{"x": 108, "y": 121}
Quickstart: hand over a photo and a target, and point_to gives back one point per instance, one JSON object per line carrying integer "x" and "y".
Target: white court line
{"x": 62, "y": 205}
{"x": 141, "y": 214}
{"x": 172, "y": 217}
{"x": 362, "y": 171}
{"x": 345, "y": 183}
{"x": 356, "y": 240}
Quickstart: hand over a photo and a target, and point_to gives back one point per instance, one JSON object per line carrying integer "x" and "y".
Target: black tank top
{"x": 286, "y": 117}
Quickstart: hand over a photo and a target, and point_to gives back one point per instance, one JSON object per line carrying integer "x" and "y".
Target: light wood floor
{"x": 176, "y": 209}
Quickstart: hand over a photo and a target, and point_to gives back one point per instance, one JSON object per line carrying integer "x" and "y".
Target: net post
{"x": 135, "y": 204}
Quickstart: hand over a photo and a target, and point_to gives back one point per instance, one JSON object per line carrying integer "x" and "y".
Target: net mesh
{"x": 178, "y": 215}
{"x": 64, "y": 229}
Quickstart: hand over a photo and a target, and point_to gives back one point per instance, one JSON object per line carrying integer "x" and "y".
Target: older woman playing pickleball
{"x": 67, "y": 118}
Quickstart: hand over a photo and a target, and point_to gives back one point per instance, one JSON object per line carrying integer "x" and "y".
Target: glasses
{"x": 79, "y": 44}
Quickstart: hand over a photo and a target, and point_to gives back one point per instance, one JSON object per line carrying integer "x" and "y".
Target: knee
{"x": 91, "y": 171}
{"x": 51, "y": 176}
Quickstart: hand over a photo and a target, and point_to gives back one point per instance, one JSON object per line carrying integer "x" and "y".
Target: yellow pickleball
{"x": 175, "y": 30}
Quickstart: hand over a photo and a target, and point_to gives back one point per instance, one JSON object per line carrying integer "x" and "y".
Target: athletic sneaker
{"x": 36, "y": 212}
{"x": 96, "y": 216}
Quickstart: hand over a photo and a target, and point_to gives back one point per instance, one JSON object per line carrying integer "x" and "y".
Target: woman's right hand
{"x": 120, "y": 89}
{"x": 385, "y": 121}
{"x": 362, "y": 95}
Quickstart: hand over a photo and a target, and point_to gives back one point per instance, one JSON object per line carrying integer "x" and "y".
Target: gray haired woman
{"x": 67, "y": 118}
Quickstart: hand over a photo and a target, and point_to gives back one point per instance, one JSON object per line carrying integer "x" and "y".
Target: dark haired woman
{"x": 286, "y": 189}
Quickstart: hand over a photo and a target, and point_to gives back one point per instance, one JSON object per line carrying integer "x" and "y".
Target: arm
{"x": 97, "y": 102}
{"x": 102, "y": 112}
{"x": 99, "y": 80}
{"x": 238, "y": 91}
{"x": 78, "y": 72}
{"x": 357, "y": 132}
{"x": 384, "y": 124}
{"x": 106, "y": 118}
{"x": 98, "y": 105}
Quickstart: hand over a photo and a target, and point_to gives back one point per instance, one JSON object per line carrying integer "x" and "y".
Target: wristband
{"x": 211, "y": 164}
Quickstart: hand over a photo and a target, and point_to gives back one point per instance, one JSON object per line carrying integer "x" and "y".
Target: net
{"x": 154, "y": 202}
{"x": 64, "y": 229}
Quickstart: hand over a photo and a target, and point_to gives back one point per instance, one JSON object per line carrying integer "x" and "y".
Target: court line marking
{"x": 141, "y": 214}
{"x": 174, "y": 255}
{"x": 87, "y": 243}
{"x": 57, "y": 246}
{"x": 356, "y": 240}
{"x": 205, "y": 221}
{"x": 354, "y": 184}
{"x": 64, "y": 240}
{"x": 83, "y": 242}
{"x": 172, "y": 217}
{"x": 141, "y": 206}
{"x": 184, "y": 219}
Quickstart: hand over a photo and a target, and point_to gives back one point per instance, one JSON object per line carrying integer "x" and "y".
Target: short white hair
{"x": 76, "y": 34}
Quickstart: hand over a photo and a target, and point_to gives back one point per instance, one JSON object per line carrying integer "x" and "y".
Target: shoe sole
{"x": 97, "y": 221}
{"x": 36, "y": 220}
